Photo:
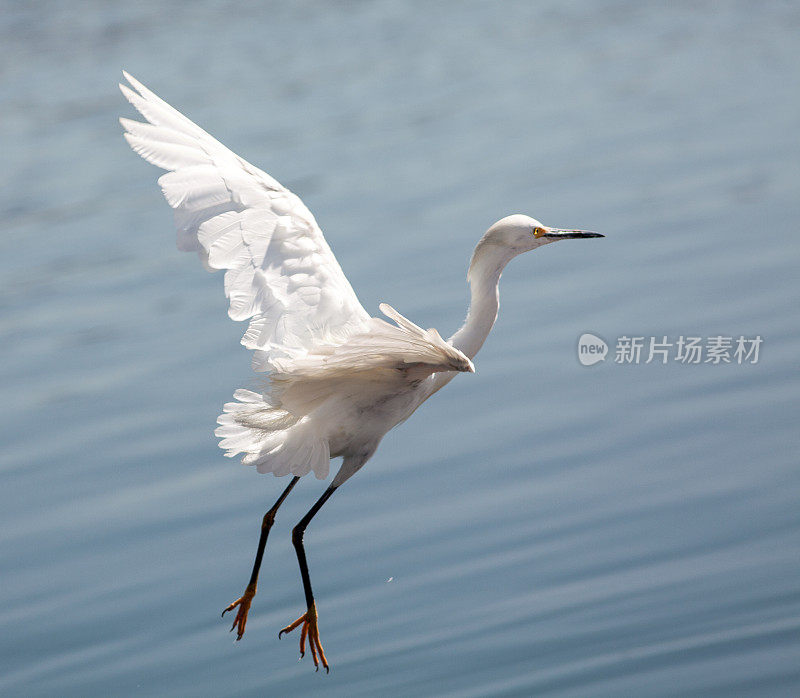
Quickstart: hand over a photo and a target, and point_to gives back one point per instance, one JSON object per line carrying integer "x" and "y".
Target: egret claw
{"x": 310, "y": 631}
{"x": 243, "y": 603}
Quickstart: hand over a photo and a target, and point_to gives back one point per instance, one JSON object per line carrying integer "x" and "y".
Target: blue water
{"x": 539, "y": 528}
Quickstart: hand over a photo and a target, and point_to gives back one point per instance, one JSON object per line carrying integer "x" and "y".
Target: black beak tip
{"x": 573, "y": 234}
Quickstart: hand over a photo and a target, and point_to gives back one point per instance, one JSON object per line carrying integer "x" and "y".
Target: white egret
{"x": 336, "y": 379}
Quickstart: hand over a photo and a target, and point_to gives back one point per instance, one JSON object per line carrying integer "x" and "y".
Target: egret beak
{"x": 561, "y": 234}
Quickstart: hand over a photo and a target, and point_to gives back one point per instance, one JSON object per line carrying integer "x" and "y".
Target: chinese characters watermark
{"x": 683, "y": 349}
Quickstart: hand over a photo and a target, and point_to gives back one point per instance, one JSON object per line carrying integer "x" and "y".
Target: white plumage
{"x": 336, "y": 379}
{"x": 326, "y": 356}
{"x": 280, "y": 273}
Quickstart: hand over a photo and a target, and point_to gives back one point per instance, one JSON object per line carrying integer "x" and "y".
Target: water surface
{"x": 540, "y": 528}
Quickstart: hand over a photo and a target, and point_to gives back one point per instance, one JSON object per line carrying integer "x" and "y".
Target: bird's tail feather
{"x": 272, "y": 439}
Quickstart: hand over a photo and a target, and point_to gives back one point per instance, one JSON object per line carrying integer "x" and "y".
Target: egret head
{"x": 516, "y": 234}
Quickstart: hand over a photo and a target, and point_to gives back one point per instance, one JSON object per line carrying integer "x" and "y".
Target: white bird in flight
{"x": 337, "y": 379}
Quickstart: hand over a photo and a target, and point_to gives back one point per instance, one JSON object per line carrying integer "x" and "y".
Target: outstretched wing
{"x": 280, "y": 273}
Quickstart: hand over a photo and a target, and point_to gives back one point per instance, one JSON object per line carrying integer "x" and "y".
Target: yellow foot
{"x": 243, "y": 603}
{"x": 310, "y": 630}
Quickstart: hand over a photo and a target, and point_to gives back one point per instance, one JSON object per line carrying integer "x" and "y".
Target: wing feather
{"x": 280, "y": 273}
{"x": 381, "y": 346}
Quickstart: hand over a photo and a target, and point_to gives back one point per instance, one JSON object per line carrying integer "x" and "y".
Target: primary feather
{"x": 280, "y": 273}
{"x": 339, "y": 379}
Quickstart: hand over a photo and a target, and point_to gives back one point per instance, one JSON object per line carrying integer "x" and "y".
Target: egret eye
{"x": 538, "y": 232}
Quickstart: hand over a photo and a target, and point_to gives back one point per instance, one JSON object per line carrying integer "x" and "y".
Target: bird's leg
{"x": 308, "y": 620}
{"x": 244, "y": 601}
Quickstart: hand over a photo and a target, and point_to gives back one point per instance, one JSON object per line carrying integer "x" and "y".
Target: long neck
{"x": 484, "y": 279}
{"x": 487, "y": 265}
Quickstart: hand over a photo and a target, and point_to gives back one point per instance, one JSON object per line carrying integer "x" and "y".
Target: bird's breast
{"x": 358, "y": 423}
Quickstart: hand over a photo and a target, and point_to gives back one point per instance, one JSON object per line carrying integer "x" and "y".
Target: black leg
{"x": 297, "y": 540}
{"x": 245, "y": 600}
{"x": 266, "y": 525}
{"x": 309, "y": 619}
